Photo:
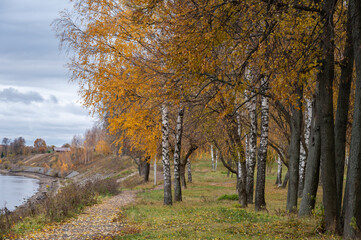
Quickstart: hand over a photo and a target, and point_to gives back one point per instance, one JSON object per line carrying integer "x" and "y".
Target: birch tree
{"x": 212, "y": 158}
{"x": 306, "y": 136}
{"x": 294, "y": 153}
{"x": 165, "y": 157}
{"x": 260, "y": 201}
{"x": 177, "y": 153}
{"x": 313, "y": 164}
{"x": 252, "y": 148}
{"x": 279, "y": 172}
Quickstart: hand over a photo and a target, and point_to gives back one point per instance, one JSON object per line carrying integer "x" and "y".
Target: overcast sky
{"x": 36, "y": 98}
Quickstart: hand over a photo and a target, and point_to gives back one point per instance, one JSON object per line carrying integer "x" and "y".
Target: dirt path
{"x": 96, "y": 222}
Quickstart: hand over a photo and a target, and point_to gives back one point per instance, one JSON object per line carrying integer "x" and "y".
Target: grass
{"x": 203, "y": 215}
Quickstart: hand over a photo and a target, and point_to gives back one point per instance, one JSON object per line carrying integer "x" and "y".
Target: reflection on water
{"x": 14, "y": 190}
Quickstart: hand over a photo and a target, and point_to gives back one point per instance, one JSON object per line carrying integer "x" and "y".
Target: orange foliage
{"x": 40, "y": 145}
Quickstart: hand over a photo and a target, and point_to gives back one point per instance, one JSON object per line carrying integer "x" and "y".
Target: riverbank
{"x": 47, "y": 184}
{"x": 51, "y": 178}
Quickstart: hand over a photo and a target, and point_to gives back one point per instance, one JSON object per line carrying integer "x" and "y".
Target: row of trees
{"x": 15, "y": 147}
{"x": 170, "y": 76}
{"x": 18, "y": 147}
{"x": 95, "y": 141}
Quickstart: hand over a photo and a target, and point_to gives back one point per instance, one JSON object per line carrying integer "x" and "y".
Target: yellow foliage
{"x": 103, "y": 147}
{"x": 132, "y": 56}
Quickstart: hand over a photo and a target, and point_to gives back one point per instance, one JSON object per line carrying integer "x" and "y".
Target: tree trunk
{"x": 260, "y": 202}
{"x": 251, "y": 163}
{"x": 313, "y": 165}
{"x": 352, "y": 198}
{"x": 189, "y": 171}
{"x": 303, "y": 156}
{"x": 212, "y": 157}
{"x": 294, "y": 153}
{"x": 241, "y": 166}
{"x": 241, "y": 183}
{"x": 215, "y": 169}
{"x": 183, "y": 175}
{"x": 140, "y": 164}
{"x": 246, "y": 143}
{"x": 279, "y": 172}
{"x": 177, "y": 152}
{"x": 302, "y": 168}
{"x": 343, "y": 103}
{"x": 165, "y": 157}
{"x": 183, "y": 164}
{"x": 285, "y": 181}
{"x": 230, "y": 164}
{"x": 146, "y": 170}
{"x": 155, "y": 171}
{"x": 327, "y": 120}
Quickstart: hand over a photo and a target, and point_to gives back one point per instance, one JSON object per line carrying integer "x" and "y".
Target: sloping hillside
{"x": 110, "y": 165}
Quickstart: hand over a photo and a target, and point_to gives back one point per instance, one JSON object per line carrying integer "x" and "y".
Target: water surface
{"x": 15, "y": 190}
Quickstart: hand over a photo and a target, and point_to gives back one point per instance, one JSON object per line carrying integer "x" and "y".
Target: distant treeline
{"x": 17, "y": 146}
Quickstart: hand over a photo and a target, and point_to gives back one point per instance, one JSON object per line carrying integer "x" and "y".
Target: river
{"x": 15, "y": 190}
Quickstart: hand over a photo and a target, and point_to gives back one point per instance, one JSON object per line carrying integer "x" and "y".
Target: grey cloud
{"x": 25, "y": 27}
{"x": 54, "y": 99}
{"x": 55, "y": 124}
{"x": 13, "y": 95}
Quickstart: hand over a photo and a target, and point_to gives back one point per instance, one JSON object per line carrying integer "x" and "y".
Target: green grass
{"x": 30, "y": 224}
{"x": 201, "y": 214}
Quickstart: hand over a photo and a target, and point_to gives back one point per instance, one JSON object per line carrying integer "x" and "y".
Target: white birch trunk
{"x": 246, "y": 142}
{"x": 212, "y": 157}
{"x": 252, "y": 148}
{"x": 241, "y": 167}
{"x": 189, "y": 171}
{"x": 302, "y": 168}
{"x": 165, "y": 157}
{"x": 260, "y": 202}
{"x": 215, "y": 169}
{"x": 177, "y": 152}
{"x": 279, "y": 172}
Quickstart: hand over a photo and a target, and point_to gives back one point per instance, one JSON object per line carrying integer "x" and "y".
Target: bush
{"x": 6, "y": 164}
{"x": 232, "y": 197}
{"x": 73, "y": 197}
{"x": 107, "y": 186}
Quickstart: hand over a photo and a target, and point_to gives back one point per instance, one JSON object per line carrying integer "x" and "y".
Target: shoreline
{"x": 47, "y": 184}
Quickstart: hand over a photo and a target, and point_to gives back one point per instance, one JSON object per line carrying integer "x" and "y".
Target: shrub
{"x": 107, "y": 186}
{"x": 20, "y": 163}
{"x": 73, "y": 197}
{"x": 232, "y": 197}
{"x": 6, "y": 164}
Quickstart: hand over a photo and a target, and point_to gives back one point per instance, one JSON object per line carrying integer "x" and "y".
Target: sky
{"x": 36, "y": 98}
